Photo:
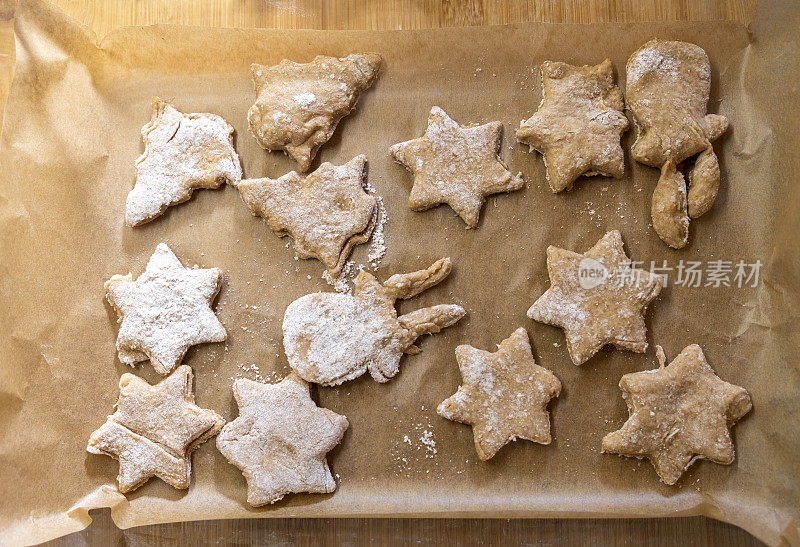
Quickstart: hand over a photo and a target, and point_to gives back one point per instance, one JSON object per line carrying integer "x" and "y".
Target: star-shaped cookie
{"x": 678, "y": 414}
{"x": 597, "y": 298}
{"x": 165, "y": 311}
{"x": 299, "y": 105}
{"x": 504, "y": 396}
{"x": 154, "y": 430}
{"x": 455, "y": 165}
{"x": 578, "y": 126}
{"x": 182, "y": 152}
{"x": 280, "y": 439}
{"x": 326, "y": 213}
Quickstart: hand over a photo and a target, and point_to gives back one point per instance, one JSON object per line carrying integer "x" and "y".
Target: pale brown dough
{"x": 678, "y": 414}
{"x": 154, "y": 430}
{"x": 326, "y": 213}
{"x": 667, "y": 91}
{"x": 670, "y": 217}
{"x": 604, "y": 308}
{"x": 455, "y": 165}
{"x": 330, "y": 338}
{"x": 703, "y": 183}
{"x": 299, "y": 105}
{"x": 578, "y": 126}
{"x": 280, "y": 439}
{"x": 504, "y": 395}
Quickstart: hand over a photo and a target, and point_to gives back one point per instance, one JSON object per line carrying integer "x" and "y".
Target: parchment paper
{"x": 69, "y": 140}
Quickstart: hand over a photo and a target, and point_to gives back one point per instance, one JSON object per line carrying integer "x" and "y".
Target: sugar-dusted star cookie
{"x": 331, "y": 338}
{"x": 299, "y": 105}
{"x": 326, "y": 213}
{"x": 154, "y": 430}
{"x": 578, "y": 126}
{"x": 182, "y": 152}
{"x": 165, "y": 311}
{"x": 504, "y": 395}
{"x": 678, "y": 414}
{"x": 597, "y": 298}
{"x": 667, "y": 90}
{"x": 280, "y": 439}
{"x": 455, "y": 165}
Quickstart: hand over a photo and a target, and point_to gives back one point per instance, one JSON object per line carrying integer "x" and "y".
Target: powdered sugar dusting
{"x": 417, "y": 444}
{"x": 377, "y": 247}
{"x": 166, "y": 310}
{"x": 330, "y": 338}
{"x": 650, "y": 59}
{"x": 305, "y": 98}
{"x": 376, "y": 252}
{"x": 456, "y": 165}
{"x": 340, "y": 282}
{"x": 182, "y": 152}
{"x": 253, "y": 371}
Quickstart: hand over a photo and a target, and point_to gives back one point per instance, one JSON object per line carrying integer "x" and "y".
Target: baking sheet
{"x": 69, "y": 140}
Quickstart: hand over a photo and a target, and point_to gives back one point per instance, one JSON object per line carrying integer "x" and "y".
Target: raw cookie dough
{"x": 669, "y": 208}
{"x": 299, "y": 105}
{"x": 504, "y": 395}
{"x": 578, "y": 126}
{"x": 331, "y": 338}
{"x": 455, "y": 165}
{"x": 667, "y": 91}
{"x": 165, "y": 311}
{"x": 280, "y": 439}
{"x": 154, "y": 430}
{"x": 597, "y": 298}
{"x": 181, "y": 152}
{"x": 678, "y": 414}
{"x": 326, "y": 213}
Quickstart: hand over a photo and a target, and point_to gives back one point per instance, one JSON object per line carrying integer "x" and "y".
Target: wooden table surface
{"x": 391, "y": 14}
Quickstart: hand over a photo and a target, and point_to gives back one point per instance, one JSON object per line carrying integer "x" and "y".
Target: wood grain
{"x": 391, "y": 14}
{"x": 697, "y": 532}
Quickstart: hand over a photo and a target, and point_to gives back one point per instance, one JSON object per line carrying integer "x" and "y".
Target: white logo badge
{"x": 591, "y": 273}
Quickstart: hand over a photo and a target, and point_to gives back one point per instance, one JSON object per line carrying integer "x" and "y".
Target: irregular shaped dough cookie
{"x": 455, "y": 165}
{"x": 182, "y": 152}
{"x": 299, "y": 105}
{"x": 280, "y": 439}
{"x": 165, "y": 311}
{"x": 597, "y": 298}
{"x": 703, "y": 183}
{"x": 154, "y": 430}
{"x": 504, "y": 395}
{"x": 578, "y": 126}
{"x": 326, "y": 213}
{"x": 667, "y": 91}
{"x": 678, "y": 414}
{"x": 331, "y": 338}
{"x": 670, "y": 219}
